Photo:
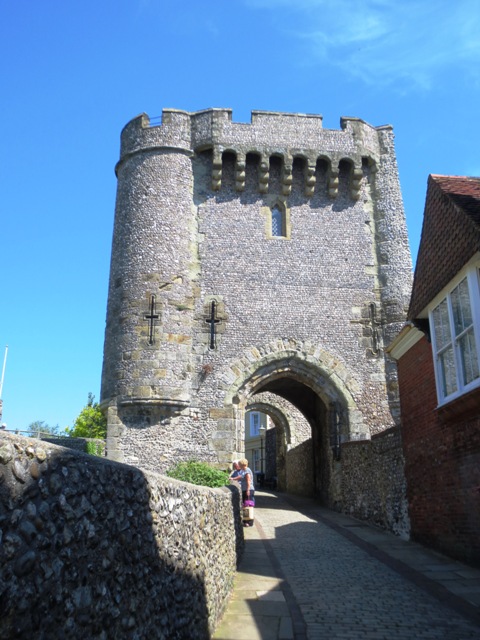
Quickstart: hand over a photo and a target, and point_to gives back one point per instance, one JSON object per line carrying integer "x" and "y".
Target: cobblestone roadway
{"x": 344, "y": 593}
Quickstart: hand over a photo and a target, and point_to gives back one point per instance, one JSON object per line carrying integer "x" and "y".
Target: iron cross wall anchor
{"x": 151, "y": 316}
{"x": 374, "y": 324}
{"x": 213, "y": 321}
{"x": 371, "y": 322}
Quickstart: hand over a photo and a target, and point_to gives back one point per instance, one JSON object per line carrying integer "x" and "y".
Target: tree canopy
{"x": 90, "y": 423}
{"x": 41, "y": 427}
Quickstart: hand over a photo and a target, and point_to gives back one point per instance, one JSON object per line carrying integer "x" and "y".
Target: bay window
{"x": 455, "y": 324}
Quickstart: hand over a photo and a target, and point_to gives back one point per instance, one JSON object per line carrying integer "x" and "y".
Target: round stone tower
{"x": 148, "y": 339}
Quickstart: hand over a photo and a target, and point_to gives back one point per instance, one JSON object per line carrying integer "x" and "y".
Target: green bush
{"x": 91, "y": 423}
{"x": 95, "y": 448}
{"x": 199, "y": 473}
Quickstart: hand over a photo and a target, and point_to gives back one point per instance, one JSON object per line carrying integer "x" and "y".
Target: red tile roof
{"x": 450, "y": 236}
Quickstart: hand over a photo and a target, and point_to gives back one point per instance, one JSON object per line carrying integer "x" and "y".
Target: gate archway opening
{"x": 308, "y": 463}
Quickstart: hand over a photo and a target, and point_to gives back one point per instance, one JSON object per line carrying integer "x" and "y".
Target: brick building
{"x": 438, "y": 355}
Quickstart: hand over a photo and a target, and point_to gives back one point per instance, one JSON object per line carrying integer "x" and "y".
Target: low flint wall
{"x": 91, "y": 548}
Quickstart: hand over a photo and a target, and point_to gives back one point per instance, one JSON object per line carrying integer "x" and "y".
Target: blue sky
{"x": 73, "y": 73}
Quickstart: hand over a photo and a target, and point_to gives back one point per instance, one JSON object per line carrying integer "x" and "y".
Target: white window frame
{"x": 255, "y": 423}
{"x": 471, "y": 275}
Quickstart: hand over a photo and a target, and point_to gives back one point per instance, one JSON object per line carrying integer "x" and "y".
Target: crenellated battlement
{"x": 290, "y": 137}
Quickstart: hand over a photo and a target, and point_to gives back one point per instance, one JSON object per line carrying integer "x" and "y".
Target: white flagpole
{"x": 3, "y": 370}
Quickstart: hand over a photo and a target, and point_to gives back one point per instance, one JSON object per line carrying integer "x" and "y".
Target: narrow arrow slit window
{"x": 278, "y": 222}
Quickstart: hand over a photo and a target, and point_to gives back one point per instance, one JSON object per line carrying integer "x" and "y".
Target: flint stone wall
{"x": 91, "y": 548}
{"x": 78, "y": 444}
{"x": 300, "y": 469}
{"x": 373, "y": 479}
{"x": 193, "y": 226}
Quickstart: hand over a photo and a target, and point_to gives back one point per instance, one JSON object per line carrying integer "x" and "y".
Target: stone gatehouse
{"x": 267, "y": 259}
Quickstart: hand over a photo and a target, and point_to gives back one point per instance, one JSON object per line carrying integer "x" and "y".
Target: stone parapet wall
{"x": 91, "y": 548}
{"x": 78, "y": 444}
{"x": 188, "y": 131}
{"x": 373, "y": 481}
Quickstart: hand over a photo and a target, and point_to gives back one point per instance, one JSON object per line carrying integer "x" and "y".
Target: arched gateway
{"x": 267, "y": 260}
{"x": 310, "y": 381}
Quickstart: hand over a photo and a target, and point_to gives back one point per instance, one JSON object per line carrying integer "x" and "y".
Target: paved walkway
{"x": 312, "y": 573}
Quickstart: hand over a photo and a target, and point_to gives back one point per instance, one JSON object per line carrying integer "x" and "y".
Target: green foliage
{"x": 199, "y": 473}
{"x": 95, "y": 448}
{"x": 91, "y": 423}
{"x": 40, "y": 427}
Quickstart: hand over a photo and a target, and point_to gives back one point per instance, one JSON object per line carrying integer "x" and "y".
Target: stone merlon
{"x": 193, "y": 132}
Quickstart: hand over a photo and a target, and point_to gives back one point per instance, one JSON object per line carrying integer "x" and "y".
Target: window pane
{"x": 447, "y": 364}
{"x": 457, "y": 361}
{"x": 441, "y": 325}
{"x": 462, "y": 313}
{"x": 277, "y": 222}
{"x": 468, "y": 357}
{"x": 254, "y": 424}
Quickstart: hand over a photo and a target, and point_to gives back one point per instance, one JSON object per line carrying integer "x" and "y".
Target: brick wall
{"x": 442, "y": 460}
